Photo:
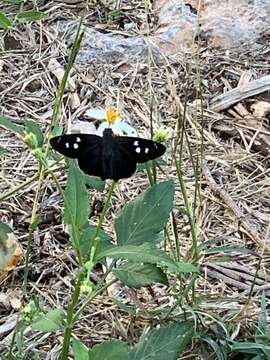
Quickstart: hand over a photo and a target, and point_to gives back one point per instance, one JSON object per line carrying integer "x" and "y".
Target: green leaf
{"x": 51, "y": 321}
{"x": 5, "y": 23}
{"x": 5, "y": 230}
{"x": 10, "y": 125}
{"x": 251, "y": 348}
{"x": 33, "y": 127}
{"x": 186, "y": 267}
{"x": 109, "y": 350}
{"x": 87, "y": 235}
{"x": 145, "y": 253}
{"x": 131, "y": 310}
{"x": 228, "y": 249}
{"x": 218, "y": 350}
{"x": 116, "y": 13}
{"x": 262, "y": 331}
{"x": 94, "y": 182}
{"x": 57, "y": 130}
{"x": 76, "y": 209}
{"x": 3, "y": 150}
{"x": 29, "y": 16}
{"x": 163, "y": 343}
{"x": 142, "y": 219}
{"x": 138, "y": 275}
{"x": 81, "y": 352}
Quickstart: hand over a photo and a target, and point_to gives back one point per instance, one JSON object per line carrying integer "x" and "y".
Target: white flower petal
{"x": 83, "y": 127}
{"x": 126, "y": 128}
{"x": 120, "y": 127}
{"x": 96, "y": 113}
{"x": 102, "y": 127}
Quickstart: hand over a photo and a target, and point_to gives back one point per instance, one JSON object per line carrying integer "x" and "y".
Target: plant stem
{"x": 70, "y": 311}
{"x": 8, "y": 194}
{"x": 75, "y": 235}
{"x": 91, "y": 297}
{"x": 98, "y": 228}
{"x": 149, "y": 174}
{"x": 41, "y": 170}
{"x": 189, "y": 214}
{"x": 75, "y": 296}
{"x": 32, "y": 227}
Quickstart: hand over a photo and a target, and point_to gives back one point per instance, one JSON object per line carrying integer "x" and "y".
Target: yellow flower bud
{"x": 31, "y": 140}
{"x": 86, "y": 287}
{"x": 161, "y": 135}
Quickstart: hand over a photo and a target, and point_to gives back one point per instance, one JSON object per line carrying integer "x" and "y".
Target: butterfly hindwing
{"x": 140, "y": 150}
{"x": 90, "y": 162}
{"x": 74, "y": 145}
{"x": 123, "y": 166}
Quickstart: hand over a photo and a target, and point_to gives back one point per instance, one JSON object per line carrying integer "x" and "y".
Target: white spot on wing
{"x": 78, "y": 139}
{"x": 146, "y": 150}
{"x": 136, "y": 143}
{"x": 67, "y": 145}
{"x": 75, "y": 146}
{"x": 138, "y": 150}
{"x": 155, "y": 145}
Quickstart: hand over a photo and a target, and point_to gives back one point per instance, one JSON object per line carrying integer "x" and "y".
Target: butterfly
{"x": 110, "y": 156}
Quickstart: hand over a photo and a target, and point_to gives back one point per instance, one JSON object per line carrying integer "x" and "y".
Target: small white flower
{"x": 96, "y": 114}
{"x": 120, "y": 127}
{"x": 113, "y": 119}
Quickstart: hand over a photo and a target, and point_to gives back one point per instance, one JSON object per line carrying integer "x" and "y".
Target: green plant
{"x": 7, "y": 22}
{"x": 139, "y": 234}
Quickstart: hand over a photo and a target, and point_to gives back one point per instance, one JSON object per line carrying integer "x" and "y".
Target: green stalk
{"x": 75, "y": 296}
{"x": 13, "y": 191}
{"x": 70, "y": 311}
{"x": 75, "y": 234}
{"x": 91, "y": 298}
{"x": 41, "y": 171}
{"x": 98, "y": 228}
{"x": 149, "y": 173}
{"x": 189, "y": 213}
{"x": 32, "y": 227}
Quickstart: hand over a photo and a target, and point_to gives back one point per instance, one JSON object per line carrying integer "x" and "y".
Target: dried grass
{"x": 27, "y": 89}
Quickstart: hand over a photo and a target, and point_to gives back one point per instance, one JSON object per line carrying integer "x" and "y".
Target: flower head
{"x": 112, "y": 115}
{"x": 31, "y": 140}
{"x": 161, "y": 135}
{"x": 86, "y": 287}
{"x": 113, "y": 119}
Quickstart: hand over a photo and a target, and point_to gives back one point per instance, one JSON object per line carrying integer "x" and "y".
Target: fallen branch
{"x": 244, "y": 91}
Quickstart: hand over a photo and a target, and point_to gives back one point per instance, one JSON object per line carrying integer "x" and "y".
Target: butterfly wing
{"x": 138, "y": 149}
{"x": 86, "y": 148}
{"x": 90, "y": 162}
{"x": 73, "y": 145}
{"x": 123, "y": 166}
{"x": 110, "y": 157}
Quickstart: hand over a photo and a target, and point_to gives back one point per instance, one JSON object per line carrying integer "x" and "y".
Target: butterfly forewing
{"x": 140, "y": 150}
{"x": 74, "y": 145}
{"x": 86, "y": 148}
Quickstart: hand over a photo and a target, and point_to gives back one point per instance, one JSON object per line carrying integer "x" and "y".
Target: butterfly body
{"x": 110, "y": 156}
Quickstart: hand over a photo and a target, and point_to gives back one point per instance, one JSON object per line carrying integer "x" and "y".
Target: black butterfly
{"x": 110, "y": 156}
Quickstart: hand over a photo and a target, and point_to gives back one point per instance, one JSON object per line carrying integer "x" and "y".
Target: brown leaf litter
{"x": 235, "y": 188}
